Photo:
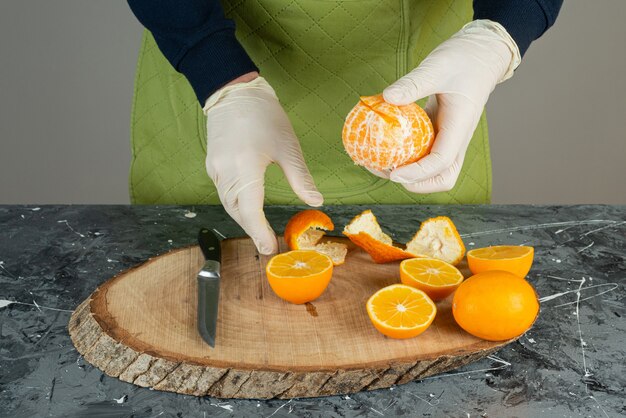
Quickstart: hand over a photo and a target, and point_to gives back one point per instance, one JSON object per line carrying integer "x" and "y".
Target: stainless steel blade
{"x": 208, "y": 300}
{"x": 209, "y": 286}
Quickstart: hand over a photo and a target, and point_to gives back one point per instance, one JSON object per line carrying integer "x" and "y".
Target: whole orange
{"x": 382, "y": 136}
{"x": 495, "y": 305}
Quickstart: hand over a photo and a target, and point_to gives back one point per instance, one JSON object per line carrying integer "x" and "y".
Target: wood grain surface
{"x": 140, "y": 326}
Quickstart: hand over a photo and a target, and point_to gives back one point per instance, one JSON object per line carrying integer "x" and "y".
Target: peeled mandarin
{"x": 382, "y": 136}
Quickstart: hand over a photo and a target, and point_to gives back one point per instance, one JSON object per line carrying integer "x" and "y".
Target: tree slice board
{"x": 140, "y": 326}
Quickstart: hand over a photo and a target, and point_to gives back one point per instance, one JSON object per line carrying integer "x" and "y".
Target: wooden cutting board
{"x": 140, "y": 327}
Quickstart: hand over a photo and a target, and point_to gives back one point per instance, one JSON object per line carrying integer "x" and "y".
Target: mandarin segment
{"x": 400, "y": 311}
{"x": 382, "y": 136}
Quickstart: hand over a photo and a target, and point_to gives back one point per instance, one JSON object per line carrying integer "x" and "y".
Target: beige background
{"x": 558, "y": 127}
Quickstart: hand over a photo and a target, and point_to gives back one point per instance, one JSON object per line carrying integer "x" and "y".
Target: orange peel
{"x": 305, "y": 230}
{"x": 437, "y": 238}
{"x": 365, "y": 232}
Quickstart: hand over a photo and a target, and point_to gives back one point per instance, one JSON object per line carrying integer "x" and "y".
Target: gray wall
{"x": 558, "y": 128}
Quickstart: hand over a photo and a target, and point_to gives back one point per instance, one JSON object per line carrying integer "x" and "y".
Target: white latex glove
{"x": 458, "y": 76}
{"x": 247, "y": 130}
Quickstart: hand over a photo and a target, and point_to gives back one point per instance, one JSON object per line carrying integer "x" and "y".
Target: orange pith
{"x": 304, "y": 231}
{"x": 436, "y": 278}
{"x": 400, "y": 311}
{"x": 438, "y": 238}
{"x": 299, "y": 276}
{"x": 382, "y": 136}
{"x": 495, "y": 305}
{"x": 516, "y": 259}
{"x": 365, "y": 232}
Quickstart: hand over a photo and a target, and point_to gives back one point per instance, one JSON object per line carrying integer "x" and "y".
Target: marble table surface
{"x": 571, "y": 363}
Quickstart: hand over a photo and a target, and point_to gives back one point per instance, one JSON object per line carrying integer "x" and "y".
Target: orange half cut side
{"x": 400, "y": 311}
{"x": 299, "y": 276}
{"x": 516, "y": 259}
{"x": 436, "y": 278}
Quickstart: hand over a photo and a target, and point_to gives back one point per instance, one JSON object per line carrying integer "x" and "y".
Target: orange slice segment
{"x": 365, "y": 232}
{"x": 299, "y": 276}
{"x": 516, "y": 259}
{"x": 438, "y": 238}
{"x": 436, "y": 278}
{"x": 400, "y": 311}
{"x": 306, "y": 228}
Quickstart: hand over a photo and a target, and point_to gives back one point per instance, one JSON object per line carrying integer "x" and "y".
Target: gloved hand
{"x": 458, "y": 76}
{"x": 247, "y": 129}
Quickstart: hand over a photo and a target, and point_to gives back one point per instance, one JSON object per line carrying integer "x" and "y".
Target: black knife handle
{"x": 209, "y": 244}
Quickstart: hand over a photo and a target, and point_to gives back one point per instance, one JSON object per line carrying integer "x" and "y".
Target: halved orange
{"x": 436, "y": 278}
{"x": 306, "y": 228}
{"x": 400, "y": 311}
{"x": 516, "y": 259}
{"x": 438, "y": 238}
{"x": 365, "y": 232}
{"x": 299, "y": 276}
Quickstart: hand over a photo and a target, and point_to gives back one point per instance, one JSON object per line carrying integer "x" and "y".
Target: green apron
{"x": 319, "y": 56}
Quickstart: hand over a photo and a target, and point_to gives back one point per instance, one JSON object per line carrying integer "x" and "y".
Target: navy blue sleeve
{"x": 524, "y": 20}
{"x": 197, "y": 40}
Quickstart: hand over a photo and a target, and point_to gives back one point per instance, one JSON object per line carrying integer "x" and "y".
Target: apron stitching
{"x": 149, "y": 79}
{"x": 302, "y": 50}
{"x": 311, "y": 128}
{"x": 466, "y": 175}
{"x": 487, "y": 156}
{"x": 292, "y": 109}
{"x": 433, "y": 31}
{"x": 342, "y": 38}
{"x": 351, "y": 87}
{"x": 383, "y": 35}
{"x": 158, "y": 103}
{"x": 331, "y": 73}
{"x": 402, "y": 43}
{"x": 156, "y": 138}
{"x": 131, "y": 186}
{"x": 271, "y": 18}
{"x": 187, "y": 106}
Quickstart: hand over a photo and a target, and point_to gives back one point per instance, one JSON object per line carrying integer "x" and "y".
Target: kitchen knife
{"x": 208, "y": 285}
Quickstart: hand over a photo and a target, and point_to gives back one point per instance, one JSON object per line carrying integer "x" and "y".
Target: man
{"x": 317, "y": 57}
